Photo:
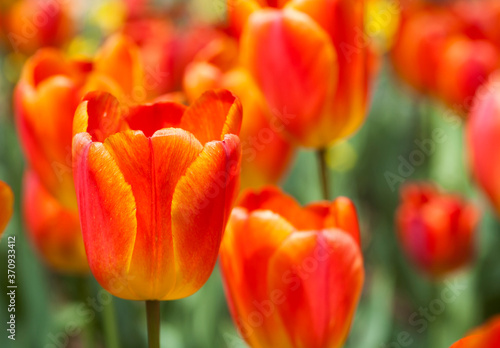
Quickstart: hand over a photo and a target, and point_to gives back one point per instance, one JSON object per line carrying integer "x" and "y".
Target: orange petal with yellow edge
{"x": 107, "y": 214}
{"x": 205, "y": 193}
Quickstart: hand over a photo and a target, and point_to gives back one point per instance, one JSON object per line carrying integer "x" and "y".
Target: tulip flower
{"x": 32, "y": 24}
{"x": 6, "y": 205}
{"x": 46, "y": 98}
{"x": 483, "y": 139}
{"x": 486, "y": 336}
{"x": 448, "y": 50}
{"x": 435, "y": 229}
{"x": 266, "y": 152}
{"x": 419, "y": 46}
{"x": 293, "y": 276}
{"x": 155, "y": 185}
{"x": 47, "y": 95}
{"x": 53, "y": 229}
{"x": 464, "y": 66}
{"x": 311, "y": 59}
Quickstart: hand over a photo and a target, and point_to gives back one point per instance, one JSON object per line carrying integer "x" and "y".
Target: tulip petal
{"x": 119, "y": 58}
{"x": 6, "y": 205}
{"x": 100, "y": 115}
{"x": 151, "y": 117}
{"x": 107, "y": 214}
{"x": 213, "y": 115}
{"x": 323, "y": 282}
{"x": 343, "y": 216}
{"x": 271, "y": 198}
{"x": 204, "y": 194}
{"x": 248, "y": 244}
{"x": 152, "y": 167}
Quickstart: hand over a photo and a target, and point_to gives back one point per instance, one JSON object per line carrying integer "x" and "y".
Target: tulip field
{"x": 250, "y": 173}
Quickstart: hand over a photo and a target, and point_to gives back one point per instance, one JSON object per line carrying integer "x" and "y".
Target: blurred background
{"x": 398, "y": 307}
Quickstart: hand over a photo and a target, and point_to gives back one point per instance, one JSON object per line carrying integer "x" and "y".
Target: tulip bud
{"x": 293, "y": 276}
{"x": 436, "y": 230}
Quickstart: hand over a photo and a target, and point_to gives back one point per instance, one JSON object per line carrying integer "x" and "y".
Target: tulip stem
{"x": 110, "y": 328}
{"x": 323, "y": 168}
{"x": 153, "y": 314}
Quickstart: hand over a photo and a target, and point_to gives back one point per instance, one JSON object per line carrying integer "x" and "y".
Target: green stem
{"x": 436, "y": 326}
{"x": 88, "y": 334}
{"x": 325, "y": 185}
{"x": 153, "y": 314}
{"x": 110, "y": 327}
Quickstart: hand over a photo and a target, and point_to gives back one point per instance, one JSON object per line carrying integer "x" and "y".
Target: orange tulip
{"x": 266, "y": 153}
{"x": 293, "y": 276}
{"x": 32, "y": 24}
{"x": 6, "y": 205}
{"x": 483, "y": 139}
{"x": 310, "y": 60}
{"x": 47, "y": 95}
{"x": 436, "y": 230}
{"x": 486, "y": 336}
{"x": 53, "y": 229}
{"x": 155, "y": 184}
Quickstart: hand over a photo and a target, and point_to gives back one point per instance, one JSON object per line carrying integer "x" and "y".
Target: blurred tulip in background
{"x": 436, "y": 230}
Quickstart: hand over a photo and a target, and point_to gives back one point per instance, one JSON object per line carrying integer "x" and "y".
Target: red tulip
{"x": 309, "y": 60}
{"x": 483, "y": 139}
{"x": 436, "y": 230}
{"x": 155, "y": 184}
{"x": 292, "y": 275}
{"x": 6, "y": 205}
{"x": 464, "y": 66}
{"x": 53, "y": 229}
{"x": 486, "y": 336}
